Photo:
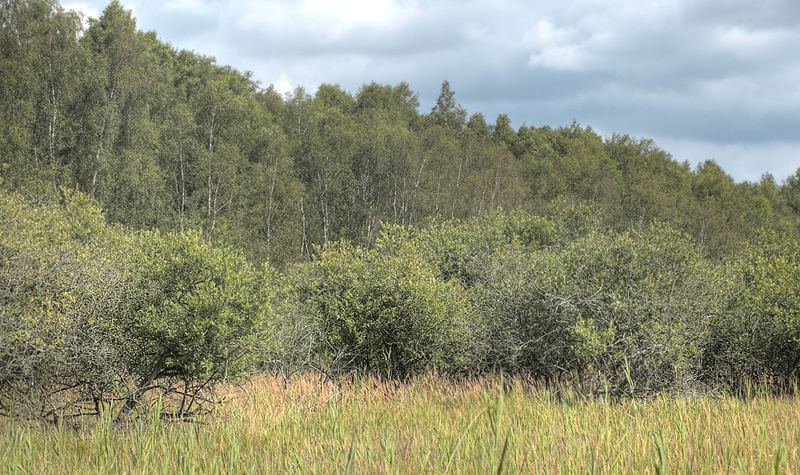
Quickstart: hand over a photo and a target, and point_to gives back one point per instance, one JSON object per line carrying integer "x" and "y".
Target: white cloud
{"x": 284, "y": 84}
{"x": 347, "y": 14}
{"x": 559, "y": 48}
{"x": 325, "y": 20}
{"x": 196, "y": 7}
{"x": 84, "y": 9}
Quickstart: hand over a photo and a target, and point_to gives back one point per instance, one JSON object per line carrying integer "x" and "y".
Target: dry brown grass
{"x": 428, "y": 425}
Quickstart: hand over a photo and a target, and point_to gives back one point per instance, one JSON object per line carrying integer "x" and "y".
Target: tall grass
{"x": 429, "y": 425}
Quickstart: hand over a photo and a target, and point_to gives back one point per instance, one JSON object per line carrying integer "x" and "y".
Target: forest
{"x": 168, "y": 223}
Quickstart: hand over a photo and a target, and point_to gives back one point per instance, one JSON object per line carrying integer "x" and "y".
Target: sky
{"x": 705, "y": 79}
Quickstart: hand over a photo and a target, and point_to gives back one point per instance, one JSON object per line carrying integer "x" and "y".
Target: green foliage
{"x": 385, "y": 310}
{"x": 463, "y": 251}
{"x": 196, "y": 312}
{"x": 91, "y": 314}
{"x": 639, "y": 302}
{"x": 166, "y": 139}
{"x": 759, "y": 335}
{"x": 41, "y": 82}
{"x": 447, "y": 113}
{"x": 56, "y": 289}
{"x": 791, "y": 191}
{"x": 398, "y": 103}
{"x": 559, "y": 296}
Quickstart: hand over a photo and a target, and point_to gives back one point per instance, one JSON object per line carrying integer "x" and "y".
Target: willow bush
{"x": 93, "y": 317}
{"x": 385, "y": 310}
{"x": 559, "y": 296}
{"x": 759, "y": 334}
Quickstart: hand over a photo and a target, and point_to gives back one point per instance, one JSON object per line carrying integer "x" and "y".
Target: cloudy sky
{"x": 705, "y": 79}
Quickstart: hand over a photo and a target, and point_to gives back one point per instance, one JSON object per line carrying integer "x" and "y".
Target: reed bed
{"x": 428, "y": 425}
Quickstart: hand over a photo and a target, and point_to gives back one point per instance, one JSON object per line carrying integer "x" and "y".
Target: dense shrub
{"x": 91, "y": 315}
{"x": 384, "y": 310}
{"x": 463, "y": 250}
{"x": 639, "y": 303}
{"x": 558, "y": 297}
{"x": 53, "y": 291}
{"x": 193, "y": 312}
{"x": 759, "y": 335}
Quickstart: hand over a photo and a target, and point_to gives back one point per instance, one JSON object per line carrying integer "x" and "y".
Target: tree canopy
{"x": 166, "y": 139}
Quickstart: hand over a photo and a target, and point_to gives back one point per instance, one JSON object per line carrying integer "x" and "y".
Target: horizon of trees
{"x": 168, "y": 139}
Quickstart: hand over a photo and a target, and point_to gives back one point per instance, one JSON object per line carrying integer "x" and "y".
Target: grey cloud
{"x": 761, "y": 14}
{"x": 722, "y": 75}
{"x": 183, "y": 27}
{"x": 420, "y": 39}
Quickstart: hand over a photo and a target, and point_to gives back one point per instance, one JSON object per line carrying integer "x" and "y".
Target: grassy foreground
{"x": 430, "y": 425}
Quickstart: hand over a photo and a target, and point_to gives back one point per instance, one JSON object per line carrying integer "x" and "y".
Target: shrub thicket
{"x": 93, "y": 317}
{"x": 637, "y": 311}
{"x": 759, "y": 334}
{"x": 384, "y": 310}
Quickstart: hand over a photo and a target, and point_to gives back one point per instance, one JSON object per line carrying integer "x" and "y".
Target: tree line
{"x": 168, "y": 139}
{"x": 167, "y": 223}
